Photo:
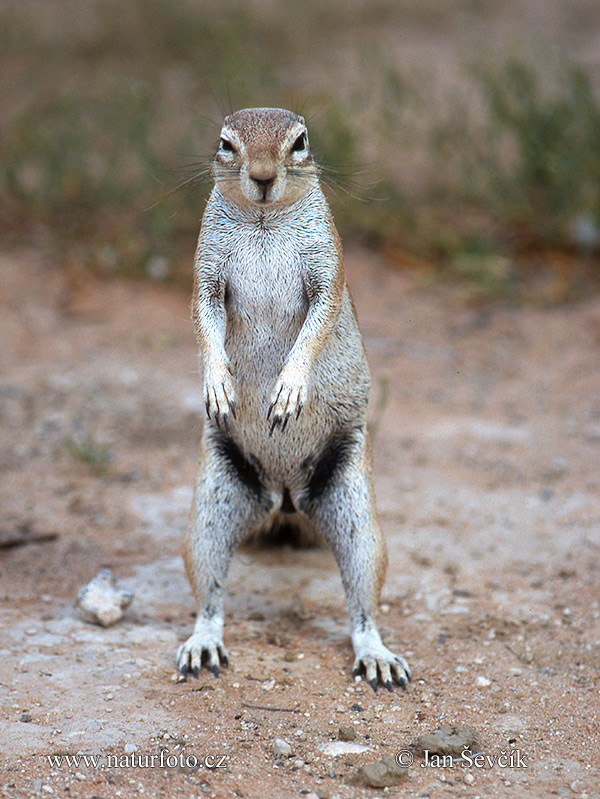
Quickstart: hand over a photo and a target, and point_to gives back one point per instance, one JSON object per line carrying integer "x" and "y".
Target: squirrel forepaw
{"x": 219, "y": 396}
{"x": 287, "y": 400}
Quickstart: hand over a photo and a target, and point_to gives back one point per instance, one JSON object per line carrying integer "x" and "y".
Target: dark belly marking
{"x": 246, "y": 471}
{"x": 332, "y": 458}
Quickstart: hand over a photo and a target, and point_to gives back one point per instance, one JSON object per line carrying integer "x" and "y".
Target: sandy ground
{"x": 486, "y": 458}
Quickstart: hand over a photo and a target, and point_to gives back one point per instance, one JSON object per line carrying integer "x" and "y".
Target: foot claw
{"x": 377, "y": 662}
{"x": 202, "y": 649}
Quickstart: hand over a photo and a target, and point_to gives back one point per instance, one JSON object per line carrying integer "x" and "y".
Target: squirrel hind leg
{"x": 224, "y": 509}
{"x": 343, "y": 510}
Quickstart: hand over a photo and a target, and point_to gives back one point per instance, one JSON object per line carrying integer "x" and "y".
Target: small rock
{"x": 347, "y": 733}
{"x": 383, "y": 773}
{"x": 556, "y": 469}
{"x": 469, "y": 779}
{"x": 101, "y": 601}
{"x": 282, "y": 748}
{"x": 129, "y": 749}
{"x": 25, "y": 718}
{"x": 337, "y": 748}
{"x": 510, "y": 725}
{"x": 482, "y": 682}
{"x": 449, "y": 739}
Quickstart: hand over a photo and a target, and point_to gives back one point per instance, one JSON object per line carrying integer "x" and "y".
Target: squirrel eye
{"x": 300, "y": 143}
{"x": 227, "y": 146}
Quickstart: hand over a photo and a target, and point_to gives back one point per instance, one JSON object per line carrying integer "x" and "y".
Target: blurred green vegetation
{"x": 112, "y": 110}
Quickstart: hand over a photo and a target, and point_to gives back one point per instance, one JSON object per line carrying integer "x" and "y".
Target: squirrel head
{"x": 264, "y": 158}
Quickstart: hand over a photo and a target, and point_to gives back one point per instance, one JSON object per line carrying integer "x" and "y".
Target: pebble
{"x": 482, "y": 682}
{"x": 337, "y": 748}
{"x": 347, "y": 734}
{"x": 101, "y": 601}
{"x": 449, "y": 739}
{"x": 282, "y": 748}
{"x": 383, "y": 773}
{"x": 556, "y": 469}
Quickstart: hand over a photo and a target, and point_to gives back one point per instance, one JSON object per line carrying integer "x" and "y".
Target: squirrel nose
{"x": 263, "y": 178}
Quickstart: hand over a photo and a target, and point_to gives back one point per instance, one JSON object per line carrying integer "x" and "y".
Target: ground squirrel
{"x": 286, "y": 384}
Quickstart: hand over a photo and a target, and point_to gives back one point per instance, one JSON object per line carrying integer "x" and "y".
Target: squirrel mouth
{"x": 265, "y": 199}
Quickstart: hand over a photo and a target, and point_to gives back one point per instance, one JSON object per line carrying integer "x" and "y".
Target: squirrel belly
{"x": 266, "y": 304}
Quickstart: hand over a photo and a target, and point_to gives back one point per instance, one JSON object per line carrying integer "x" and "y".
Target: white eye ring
{"x": 226, "y": 146}
{"x": 300, "y": 144}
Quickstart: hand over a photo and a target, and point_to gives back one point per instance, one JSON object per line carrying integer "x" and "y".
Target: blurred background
{"x": 461, "y": 138}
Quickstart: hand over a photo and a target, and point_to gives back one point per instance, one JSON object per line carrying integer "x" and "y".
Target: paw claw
{"x": 289, "y": 396}
{"x": 275, "y": 422}
{"x": 219, "y": 393}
